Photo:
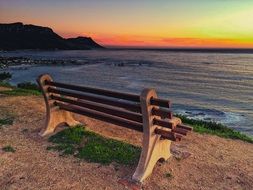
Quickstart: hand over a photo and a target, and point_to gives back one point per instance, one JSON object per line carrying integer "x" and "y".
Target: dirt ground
{"x": 205, "y": 161}
{"x": 2, "y": 88}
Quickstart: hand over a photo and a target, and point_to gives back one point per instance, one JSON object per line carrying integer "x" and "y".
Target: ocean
{"x": 209, "y": 86}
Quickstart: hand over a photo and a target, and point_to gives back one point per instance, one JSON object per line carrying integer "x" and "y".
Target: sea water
{"x": 210, "y": 86}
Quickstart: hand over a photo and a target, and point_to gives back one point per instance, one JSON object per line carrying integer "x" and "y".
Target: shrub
{"x": 28, "y": 86}
{"x": 6, "y": 121}
{"x": 214, "y": 128}
{"x": 8, "y": 149}
{"x": 4, "y": 76}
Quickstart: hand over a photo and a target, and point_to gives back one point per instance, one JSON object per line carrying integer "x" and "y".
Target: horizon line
{"x": 175, "y": 47}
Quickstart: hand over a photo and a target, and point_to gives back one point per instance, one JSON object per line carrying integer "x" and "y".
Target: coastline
{"x": 199, "y": 126}
{"x": 6, "y": 62}
{"x": 197, "y": 103}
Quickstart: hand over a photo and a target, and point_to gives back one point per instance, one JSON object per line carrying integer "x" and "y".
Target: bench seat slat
{"x": 128, "y": 106}
{"x": 162, "y": 113}
{"x": 162, "y": 123}
{"x": 160, "y": 102}
{"x": 170, "y": 125}
{"x": 102, "y": 116}
{"x": 185, "y": 127}
{"x": 168, "y": 135}
{"x": 102, "y": 108}
{"x": 180, "y": 131}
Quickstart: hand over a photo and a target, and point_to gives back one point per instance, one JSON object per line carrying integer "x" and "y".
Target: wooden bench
{"x": 145, "y": 113}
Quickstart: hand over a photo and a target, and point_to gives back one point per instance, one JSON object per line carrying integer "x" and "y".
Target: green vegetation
{"x": 92, "y": 147}
{"x": 5, "y": 84}
{"x": 22, "y": 89}
{"x": 177, "y": 158}
{"x": 28, "y": 86}
{"x": 214, "y": 129}
{"x": 8, "y": 149}
{"x": 5, "y": 76}
{"x": 20, "y": 92}
{"x": 168, "y": 175}
{"x": 6, "y": 121}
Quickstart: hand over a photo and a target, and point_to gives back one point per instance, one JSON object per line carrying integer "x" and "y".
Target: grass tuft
{"x": 20, "y": 92}
{"x": 214, "y": 128}
{"x": 102, "y": 150}
{"x": 5, "y": 84}
{"x": 68, "y": 136}
{"x": 93, "y": 147}
{"x": 168, "y": 175}
{"x": 5, "y": 76}
{"x": 24, "y": 130}
{"x": 22, "y": 89}
{"x": 28, "y": 86}
{"x": 8, "y": 149}
{"x": 6, "y": 121}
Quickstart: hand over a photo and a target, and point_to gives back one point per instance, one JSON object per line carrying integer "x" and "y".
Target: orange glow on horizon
{"x": 185, "y": 23}
{"x": 140, "y": 41}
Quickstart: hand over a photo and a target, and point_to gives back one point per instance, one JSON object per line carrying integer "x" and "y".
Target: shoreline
{"x": 6, "y": 62}
{"x": 200, "y": 126}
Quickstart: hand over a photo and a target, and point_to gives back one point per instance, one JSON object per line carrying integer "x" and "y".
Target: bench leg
{"x": 153, "y": 147}
{"x": 54, "y": 116}
{"x": 158, "y": 150}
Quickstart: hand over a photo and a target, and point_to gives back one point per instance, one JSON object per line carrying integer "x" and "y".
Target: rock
{"x": 179, "y": 153}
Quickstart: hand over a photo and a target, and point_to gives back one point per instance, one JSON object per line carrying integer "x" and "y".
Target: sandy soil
{"x": 2, "y": 88}
{"x": 207, "y": 162}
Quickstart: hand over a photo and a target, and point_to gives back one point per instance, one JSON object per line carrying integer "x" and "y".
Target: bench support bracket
{"x": 54, "y": 116}
{"x": 153, "y": 147}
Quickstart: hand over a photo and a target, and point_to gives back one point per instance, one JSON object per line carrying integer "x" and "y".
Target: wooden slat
{"x": 109, "y": 93}
{"x": 102, "y": 116}
{"x": 102, "y": 108}
{"x": 97, "y": 91}
{"x": 162, "y": 123}
{"x": 168, "y": 135}
{"x": 129, "y": 106}
{"x": 160, "y": 102}
{"x": 180, "y": 131}
{"x": 182, "y": 126}
{"x": 162, "y": 113}
{"x": 169, "y": 125}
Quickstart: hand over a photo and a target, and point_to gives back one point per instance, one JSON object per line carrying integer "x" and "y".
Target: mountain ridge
{"x": 16, "y": 36}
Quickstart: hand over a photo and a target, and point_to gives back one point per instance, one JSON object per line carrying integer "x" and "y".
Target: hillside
{"x": 200, "y": 161}
{"x": 19, "y": 36}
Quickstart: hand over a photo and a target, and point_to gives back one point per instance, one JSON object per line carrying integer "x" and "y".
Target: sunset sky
{"x": 153, "y": 23}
